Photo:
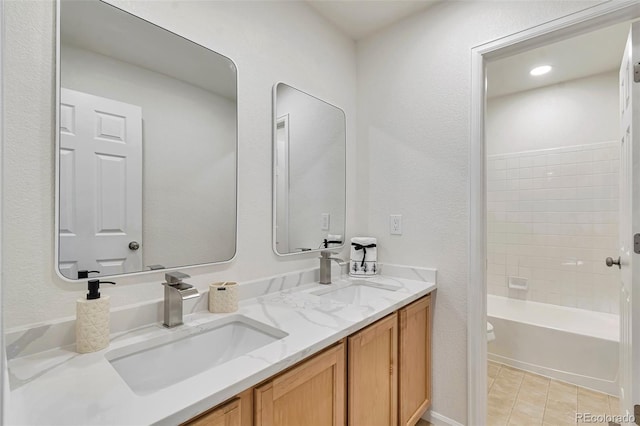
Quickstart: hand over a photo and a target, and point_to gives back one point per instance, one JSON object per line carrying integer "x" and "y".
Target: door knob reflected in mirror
{"x": 610, "y": 262}
{"x": 134, "y": 245}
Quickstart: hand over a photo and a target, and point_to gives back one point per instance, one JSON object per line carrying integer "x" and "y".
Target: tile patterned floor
{"x": 517, "y": 397}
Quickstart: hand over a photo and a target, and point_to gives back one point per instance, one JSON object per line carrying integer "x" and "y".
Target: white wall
{"x": 316, "y": 167}
{"x": 575, "y": 112}
{"x": 188, "y": 161}
{"x": 269, "y": 41}
{"x": 413, "y": 142}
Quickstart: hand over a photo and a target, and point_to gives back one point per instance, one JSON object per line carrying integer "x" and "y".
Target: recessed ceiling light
{"x": 543, "y": 69}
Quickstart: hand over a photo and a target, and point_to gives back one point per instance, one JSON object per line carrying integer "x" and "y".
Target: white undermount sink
{"x": 355, "y": 292}
{"x": 160, "y": 362}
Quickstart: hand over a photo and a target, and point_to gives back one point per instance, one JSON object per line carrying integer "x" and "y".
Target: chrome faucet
{"x": 175, "y": 293}
{"x": 325, "y": 265}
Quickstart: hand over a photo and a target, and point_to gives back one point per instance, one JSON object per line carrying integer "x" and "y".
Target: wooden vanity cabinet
{"x": 373, "y": 374}
{"x": 415, "y": 361}
{"x": 237, "y": 412}
{"x": 386, "y": 368}
{"x": 311, "y": 393}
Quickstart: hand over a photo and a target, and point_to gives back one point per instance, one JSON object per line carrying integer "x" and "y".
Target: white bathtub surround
{"x": 99, "y": 396}
{"x": 553, "y": 219}
{"x": 568, "y": 344}
{"x": 364, "y": 256}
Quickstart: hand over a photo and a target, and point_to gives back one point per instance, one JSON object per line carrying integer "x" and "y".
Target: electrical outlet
{"x": 395, "y": 224}
{"x": 325, "y": 221}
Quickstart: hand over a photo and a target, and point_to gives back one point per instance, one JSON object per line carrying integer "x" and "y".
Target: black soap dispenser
{"x": 92, "y": 319}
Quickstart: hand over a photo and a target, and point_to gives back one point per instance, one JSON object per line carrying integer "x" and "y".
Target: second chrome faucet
{"x": 325, "y": 265}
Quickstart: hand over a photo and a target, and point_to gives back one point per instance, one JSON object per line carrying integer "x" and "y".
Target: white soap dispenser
{"x": 92, "y": 319}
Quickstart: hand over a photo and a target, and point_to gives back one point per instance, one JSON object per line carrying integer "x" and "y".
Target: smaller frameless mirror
{"x": 309, "y": 172}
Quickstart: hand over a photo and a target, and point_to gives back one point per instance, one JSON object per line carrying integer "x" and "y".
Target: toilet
{"x": 490, "y": 335}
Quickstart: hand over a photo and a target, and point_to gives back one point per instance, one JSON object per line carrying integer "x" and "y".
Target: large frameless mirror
{"x": 146, "y": 147}
{"x": 309, "y": 172}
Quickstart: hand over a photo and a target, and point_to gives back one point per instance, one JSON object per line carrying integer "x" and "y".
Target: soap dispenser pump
{"x": 83, "y": 273}
{"x": 92, "y": 319}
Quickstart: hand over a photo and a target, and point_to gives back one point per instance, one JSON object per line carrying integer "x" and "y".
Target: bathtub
{"x": 568, "y": 344}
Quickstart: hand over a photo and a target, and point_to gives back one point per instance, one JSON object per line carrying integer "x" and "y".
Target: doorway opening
{"x": 553, "y": 169}
{"x": 581, "y": 23}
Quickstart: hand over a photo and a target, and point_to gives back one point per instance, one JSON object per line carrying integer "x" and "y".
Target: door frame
{"x": 281, "y": 122}
{"x": 601, "y": 15}
{"x": 4, "y": 386}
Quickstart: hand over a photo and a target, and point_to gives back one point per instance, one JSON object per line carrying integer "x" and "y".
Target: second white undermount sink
{"x": 356, "y": 292}
{"x": 161, "y": 362}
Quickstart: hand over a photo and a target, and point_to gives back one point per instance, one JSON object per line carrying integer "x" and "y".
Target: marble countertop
{"x": 62, "y": 387}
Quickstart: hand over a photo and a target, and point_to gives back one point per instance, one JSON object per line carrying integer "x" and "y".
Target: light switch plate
{"x": 395, "y": 224}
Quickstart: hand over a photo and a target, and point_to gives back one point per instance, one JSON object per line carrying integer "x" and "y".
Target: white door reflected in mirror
{"x": 100, "y": 184}
{"x": 282, "y": 184}
{"x": 172, "y": 203}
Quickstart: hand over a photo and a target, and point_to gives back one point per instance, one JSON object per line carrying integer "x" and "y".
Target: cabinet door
{"x": 415, "y": 360}
{"x": 373, "y": 380}
{"x": 228, "y": 414}
{"x": 312, "y": 393}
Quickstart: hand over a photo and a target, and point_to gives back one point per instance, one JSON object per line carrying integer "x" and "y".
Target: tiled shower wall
{"x": 553, "y": 219}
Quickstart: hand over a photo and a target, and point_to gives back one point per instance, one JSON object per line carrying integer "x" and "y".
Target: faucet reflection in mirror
{"x": 309, "y": 172}
{"x": 147, "y": 145}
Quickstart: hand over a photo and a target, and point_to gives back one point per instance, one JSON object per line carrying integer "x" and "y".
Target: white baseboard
{"x": 439, "y": 420}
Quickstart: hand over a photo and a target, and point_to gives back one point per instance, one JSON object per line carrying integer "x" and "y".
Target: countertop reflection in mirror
{"x": 309, "y": 172}
{"x": 146, "y": 146}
